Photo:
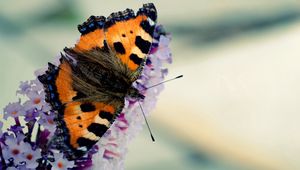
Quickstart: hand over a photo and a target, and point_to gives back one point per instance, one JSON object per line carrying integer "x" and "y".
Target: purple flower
{"x": 30, "y": 156}
{"x": 24, "y": 87}
{"x": 30, "y": 86}
{"x": 110, "y": 154}
{"x": 122, "y": 123}
{"x": 43, "y": 137}
{"x": 20, "y": 137}
{"x": 31, "y": 114}
{"x": 164, "y": 52}
{"x": 36, "y": 101}
{"x": 13, "y": 110}
{"x": 61, "y": 163}
{"x": 13, "y": 150}
{"x": 37, "y": 86}
{"x": 16, "y": 129}
{"x": 47, "y": 121}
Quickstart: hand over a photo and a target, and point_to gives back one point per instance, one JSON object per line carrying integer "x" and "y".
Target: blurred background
{"x": 237, "y": 107}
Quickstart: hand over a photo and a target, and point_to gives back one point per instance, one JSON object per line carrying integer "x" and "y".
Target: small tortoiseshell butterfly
{"x": 88, "y": 88}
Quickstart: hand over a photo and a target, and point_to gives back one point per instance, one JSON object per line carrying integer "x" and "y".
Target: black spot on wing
{"x": 106, "y": 115}
{"x": 105, "y": 48}
{"x": 87, "y": 107}
{"x": 79, "y": 95}
{"x": 97, "y": 129}
{"x": 85, "y": 142}
{"x": 137, "y": 60}
{"x": 119, "y": 48}
{"x": 147, "y": 27}
{"x": 143, "y": 45}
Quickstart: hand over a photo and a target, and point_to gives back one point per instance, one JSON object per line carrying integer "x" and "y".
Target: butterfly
{"x": 88, "y": 88}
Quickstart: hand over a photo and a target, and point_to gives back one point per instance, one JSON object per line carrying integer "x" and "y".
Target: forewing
{"x": 130, "y": 35}
{"x": 92, "y": 34}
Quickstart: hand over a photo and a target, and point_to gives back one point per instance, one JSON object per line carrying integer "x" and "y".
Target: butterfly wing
{"x": 130, "y": 35}
{"x": 125, "y": 33}
{"x": 80, "y": 121}
{"x": 92, "y": 34}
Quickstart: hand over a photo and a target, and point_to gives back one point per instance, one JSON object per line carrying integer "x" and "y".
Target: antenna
{"x": 165, "y": 81}
{"x": 143, "y": 109}
{"x": 153, "y": 140}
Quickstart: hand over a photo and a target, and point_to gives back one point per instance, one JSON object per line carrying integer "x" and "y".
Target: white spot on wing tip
{"x": 83, "y": 148}
{"x": 151, "y": 22}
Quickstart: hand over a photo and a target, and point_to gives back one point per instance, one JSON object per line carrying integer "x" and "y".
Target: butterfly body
{"x": 87, "y": 89}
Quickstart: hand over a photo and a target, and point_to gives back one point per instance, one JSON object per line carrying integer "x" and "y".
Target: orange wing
{"x": 130, "y": 35}
{"x": 81, "y": 123}
{"x": 92, "y": 34}
{"x": 127, "y": 34}
{"x": 85, "y": 121}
